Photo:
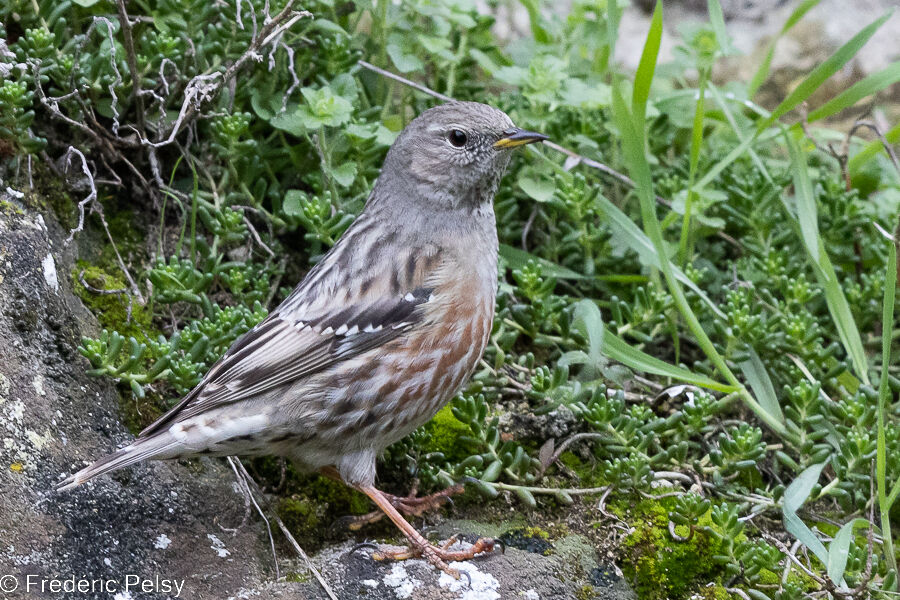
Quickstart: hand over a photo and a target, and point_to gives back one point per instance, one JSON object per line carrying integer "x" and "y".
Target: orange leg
{"x": 410, "y": 505}
{"x": 419, "y": 546}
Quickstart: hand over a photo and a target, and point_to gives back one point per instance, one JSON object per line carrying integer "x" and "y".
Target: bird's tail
{"x": 157, "y": 446}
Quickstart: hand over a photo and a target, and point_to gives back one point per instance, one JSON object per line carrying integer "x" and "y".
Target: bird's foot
{"x": 438, "y": 556}
{"x": 410, "y": 505}
{"x": 418, "y": 545}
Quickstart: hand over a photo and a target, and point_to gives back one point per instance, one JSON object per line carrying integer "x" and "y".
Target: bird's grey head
{"x": 453, "y": 155}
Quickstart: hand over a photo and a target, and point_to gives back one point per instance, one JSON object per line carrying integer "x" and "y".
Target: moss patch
{"x": 313, "y": 504}
{"x": 444, "y": 431}
{"x": 111, "y": 309}
{"x": 657, "y": 566}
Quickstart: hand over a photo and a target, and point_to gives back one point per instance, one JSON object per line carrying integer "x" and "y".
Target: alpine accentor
{"x": 379, "y": 335}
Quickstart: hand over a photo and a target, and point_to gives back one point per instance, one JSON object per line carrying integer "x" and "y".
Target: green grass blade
{"x": 643, "y": 78}
{"x": 717, "y": 20}
{"x": 762, "y": 73}
{"x": 633, "y": 147}
{"x": 824, "y": 71}
{"x": 838, "y": 307}
{"x": 685, "y": 245}
{"x": 839, "y": 549}
{"x": 755, "y": 373}
{"x": 588, "y": 318}
{"x": 638, "y": 241}
{"x": 618, "y": 349}
{"x": 872, "y": 84}
{"x": 794, "y": 497}
{"x": 807, "y": 213}
{"x": 884, "y": 397}
{"x": 613, "y": 15}
{"x": 735, "y": 154}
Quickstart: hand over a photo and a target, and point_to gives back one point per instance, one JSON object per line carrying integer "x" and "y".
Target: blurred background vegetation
{"x": 691, "y": 359}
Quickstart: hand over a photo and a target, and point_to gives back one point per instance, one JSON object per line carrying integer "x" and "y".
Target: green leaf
{"x": 794, "y": 497}
{"x": 290, "y": 121}
{"x": 492, "y": 472}
{"x": 839, "y": 549}
{"x": 324, "y": 107}
{"x": 807, "y": 213}
{"x": 717, "y": 20}
{"x": 537, "y": 188}
{"x": 85, "y": 3}
{"x": 884, "y": 404}
{"x": 292, "y": 205}
{"x": 345, "y": 174}
{"x": 643, "y": 78}
{"x": 526, "y": 497}
{"x": 535, "y": 19}
{"x": 403, "y": 60}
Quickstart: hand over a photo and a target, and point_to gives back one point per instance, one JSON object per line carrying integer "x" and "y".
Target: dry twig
{"x": 248, "y": 481}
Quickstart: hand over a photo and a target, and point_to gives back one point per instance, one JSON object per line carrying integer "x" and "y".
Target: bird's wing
{"x": 285, "y": 347}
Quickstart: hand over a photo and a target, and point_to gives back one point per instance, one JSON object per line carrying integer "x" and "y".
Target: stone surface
{"x": 162, "y": 520}
{"x": 171, "y": 524}
{"x": 567, "y": 571}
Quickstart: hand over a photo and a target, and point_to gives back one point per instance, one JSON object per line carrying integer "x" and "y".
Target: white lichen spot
{"x": 218, "y": 545}
{"x": 400, "y": 580}
{"x": 4, "y": 388}
{"x": 370, "y": 583}
{"x": 16, "y": 412}
{"x": 38, "y": 384}
{"x": 125, "y": 595}
{"x": 107, "y": 562}
{"x": 37, "y": 440}
{"x": 531, "y": 595}
{"x": 50, "y": 276}
{"x": 484, "y": 585}
{"x": 162, "y": 542}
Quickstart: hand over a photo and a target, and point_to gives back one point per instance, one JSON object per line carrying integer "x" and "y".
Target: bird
{"x": 380, "y": 334}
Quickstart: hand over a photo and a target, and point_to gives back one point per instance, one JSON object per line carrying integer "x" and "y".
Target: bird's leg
{"x": 410, "y": 505}
{"x": 418, "y": 545}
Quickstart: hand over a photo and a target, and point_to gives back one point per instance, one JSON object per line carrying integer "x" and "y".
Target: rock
{"x": 160, "y": 520}
{"x": 180, "y": 529}
{"x": 566, "y": 572}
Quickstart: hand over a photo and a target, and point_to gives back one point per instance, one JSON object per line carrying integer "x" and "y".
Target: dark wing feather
{"x": 282, "y": 349}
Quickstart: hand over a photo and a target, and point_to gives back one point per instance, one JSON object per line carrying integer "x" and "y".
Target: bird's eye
{"x": 457, "y": 138}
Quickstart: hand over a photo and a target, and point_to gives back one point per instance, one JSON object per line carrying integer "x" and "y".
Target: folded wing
{"x": 286, "y": 347}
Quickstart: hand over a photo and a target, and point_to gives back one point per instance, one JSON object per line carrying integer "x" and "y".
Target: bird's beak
{"x": 518, "y": 137}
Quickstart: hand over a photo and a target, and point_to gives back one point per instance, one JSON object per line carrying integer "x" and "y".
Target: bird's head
{"x": 454, "y": 155}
